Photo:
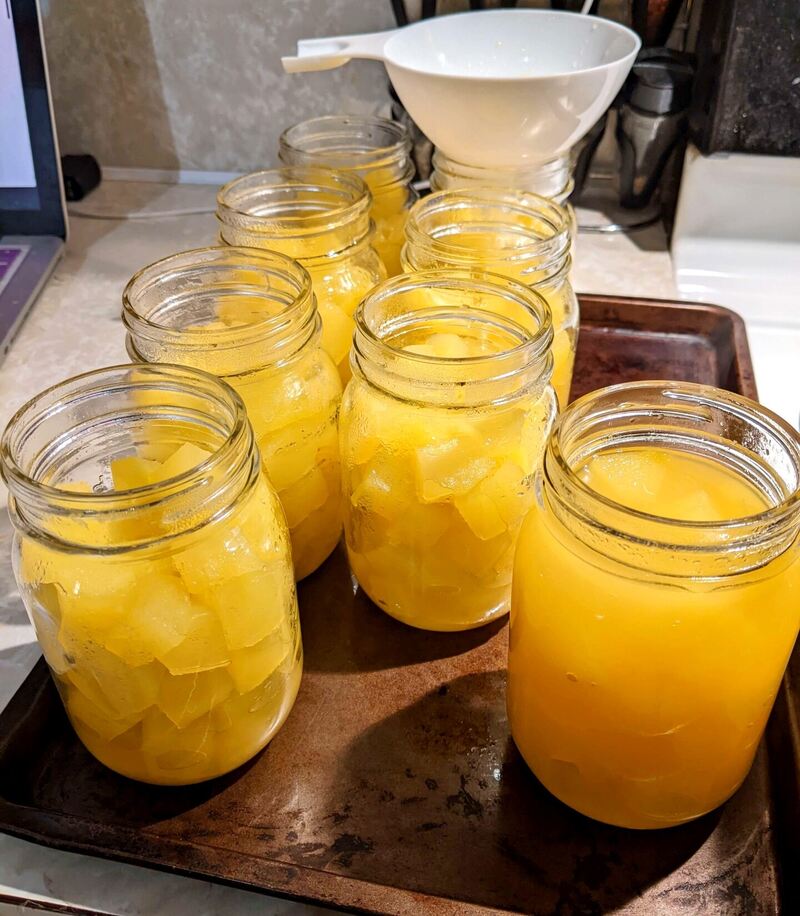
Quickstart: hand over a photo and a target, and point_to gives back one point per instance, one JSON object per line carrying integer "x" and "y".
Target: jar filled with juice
{"x": 377, "y": 149}
{"x": 521, "y": 236}
{"x": 153, "y": 559}
{"x": 442, "y": 426}
{"x": 551, "y": 179}
{"x": 250, "y": 317}
{"x": 656, "y": 600}
{"x": 321, "y": 218}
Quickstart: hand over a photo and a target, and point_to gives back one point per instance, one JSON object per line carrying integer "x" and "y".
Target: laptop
{"x": 33, "y": 216}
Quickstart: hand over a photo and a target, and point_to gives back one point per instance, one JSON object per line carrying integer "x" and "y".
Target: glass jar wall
{"x": 378, "y": 150}
{"x": 153, "y": 560}
{"x": 442, "y": 425}
{"x": 551, "y": 179}
{"x": 521, "y": 236}
{"x": 250, "y": 317}
{"x": 321, "y": 218}
{"x": 655, "y": 600}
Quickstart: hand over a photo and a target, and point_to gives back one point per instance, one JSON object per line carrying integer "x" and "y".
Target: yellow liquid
{"x": 640, "y": 700}
{"x": 434, "y": 497}
{"x": 175, "y": 664}
{"x": 294, "y": 412}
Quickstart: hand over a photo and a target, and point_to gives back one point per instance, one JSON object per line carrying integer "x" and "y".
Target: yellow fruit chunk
{"x": 472, "y": 556}
{"x": 93, "y": 592}
{"x": 131, "y": 472}
{"x": 158, "y": 619}
{"x": 448, "y": 468}
{"x": 337, "y": 331}
{"x": 184, "y": 459}
{"x": 481, "y": 513}
{"x": 203, "y": 647}
{"x": 46, "y": 618}
{"x": 419, "y": 527}
{"x": 116, "y": 689}
{"x": 184, "y": 698}
{"x": 100, "y": 719}
{"x": 304, "y": 497}
{"x": 629, "y": 477}
{"x": 172, "y": 748}
{"x": 314, "y": 539}
{"x": 385, "y": 489}
{"x": 251, "y": 606}
{"x": 251, "y": 667}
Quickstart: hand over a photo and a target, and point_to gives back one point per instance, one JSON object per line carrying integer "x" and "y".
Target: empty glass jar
{"x": 250, "y": 317}
{"x": 321, "y": 218}
{"x": 551, "y": 179}
{"x": 153, "y": 559}
{"x": 442, "y": 426}
{"x": 377, "y": 149}
{"x": 521, "y": 236}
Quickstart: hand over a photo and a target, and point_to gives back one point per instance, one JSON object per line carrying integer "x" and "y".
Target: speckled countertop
{"x": 75, "y": 326}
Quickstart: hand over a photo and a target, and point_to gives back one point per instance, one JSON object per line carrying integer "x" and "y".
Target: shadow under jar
{"x": 250, "y": 317}
{"x": 153, "y": 559}
{"x": 376, "y": 149}
{"x": 321, "y": 218}
{"x": 521, "y": 236}
{"x": 655, "y": 600}
{"x": 442, "y": 426}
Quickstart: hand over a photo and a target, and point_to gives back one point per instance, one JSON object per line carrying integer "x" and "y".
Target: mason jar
{"x": 442, "y": 426}
{"x": 153, "y": 559}
{"x": 521, "y": 236}
{"x": 249, "y": 316}
{"x": 551, "y": 179}
{"x": 655, "y": 600}
{"x": 376, "y": 149}
{"x": 321, "y": 218}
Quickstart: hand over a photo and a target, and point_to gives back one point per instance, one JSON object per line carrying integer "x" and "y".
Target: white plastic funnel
{"x": 498, "y": 87}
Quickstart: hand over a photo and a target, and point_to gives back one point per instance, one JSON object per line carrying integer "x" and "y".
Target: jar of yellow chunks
{"x": 321, "y": 218}
{"x": 153, "y": 559}
{"x": 442, "y": 426}
{"x": 519, "y": 235}
{"x": 250, "y": 317}
{"x": 655, "y": 600}
{"x": 552, "y": 179}
{"x": 377, "y": 149}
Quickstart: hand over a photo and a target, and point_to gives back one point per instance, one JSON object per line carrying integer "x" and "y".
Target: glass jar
{"x": 442, "y": 425}
{"x": 655, "y": 600}
{"x": 376, "y": 149}
{"x": 321, "y": 219}
{"x": 521, "y": 236}
{"x": 153, "y": 560}
{"x": 551, "y": 179}
{"x": 250, "y": 317}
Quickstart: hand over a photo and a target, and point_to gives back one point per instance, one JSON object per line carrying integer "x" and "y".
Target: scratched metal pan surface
{"x": 394, "y": 786}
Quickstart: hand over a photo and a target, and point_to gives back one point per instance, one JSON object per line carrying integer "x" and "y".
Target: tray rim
{"x": 329, "y": 889}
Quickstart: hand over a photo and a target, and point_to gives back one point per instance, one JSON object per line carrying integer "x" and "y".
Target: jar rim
{"x": 677, "y": 394}
{"x": 530, "y": 356}
{"x": 269, "y": 263}
{"x": 96, "y": 382}
{"x": 349, "y": 199}
{"x": 310, "y": 142}
{"x": 518, "y": 205}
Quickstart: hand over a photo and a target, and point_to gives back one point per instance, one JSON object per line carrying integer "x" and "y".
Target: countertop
{"x": 75, "y": 326}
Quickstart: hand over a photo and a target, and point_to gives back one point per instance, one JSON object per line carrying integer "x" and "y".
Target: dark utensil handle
{"x": 400, "y": 14}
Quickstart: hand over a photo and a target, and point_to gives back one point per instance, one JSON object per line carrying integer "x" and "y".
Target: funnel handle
{"x": 328, "y": 53}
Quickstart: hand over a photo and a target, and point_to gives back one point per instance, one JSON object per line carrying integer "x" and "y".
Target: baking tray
{"x": 394, "y": 786}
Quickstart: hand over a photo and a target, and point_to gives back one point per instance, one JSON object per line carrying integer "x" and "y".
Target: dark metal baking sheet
{"x": 394, "y": 786}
